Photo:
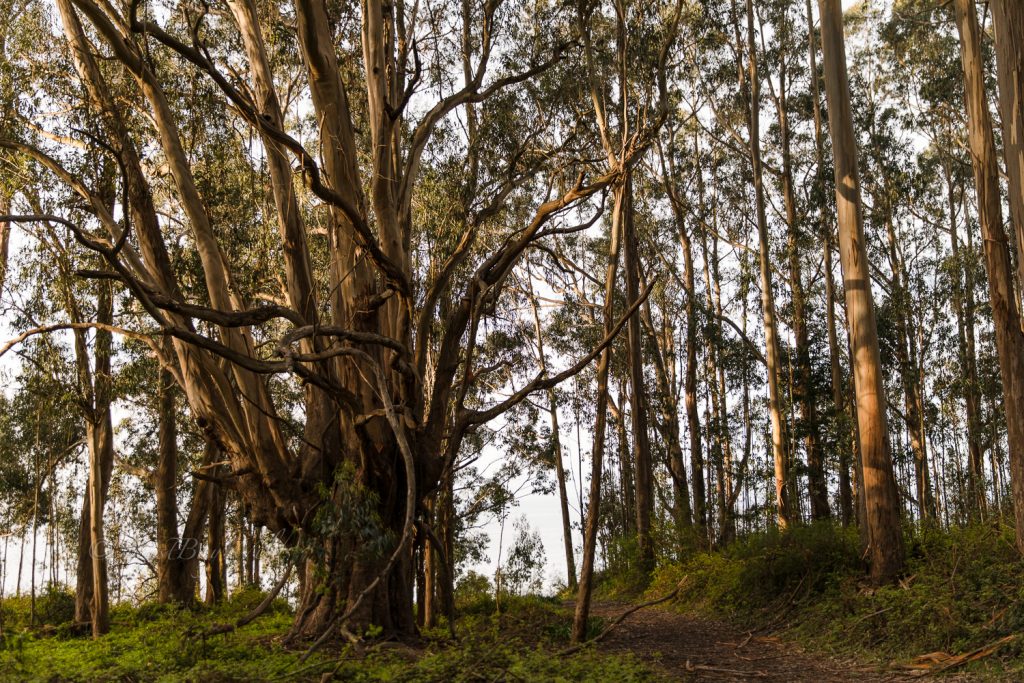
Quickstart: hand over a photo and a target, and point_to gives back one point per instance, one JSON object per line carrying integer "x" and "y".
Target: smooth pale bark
{"x": 638, "y": 390}
{"x": 396, "y": 433}
{"x": 1008, "y": 22}
{"x": 785, "y": 506}
{"x": 1002, "y": 299}
{"x": 881, "y": 522}
{"x": 839, "y": 403}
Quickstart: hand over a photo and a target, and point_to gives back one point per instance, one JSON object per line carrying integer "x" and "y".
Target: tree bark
{"x": 638, "y": 391}
{"x": 878, "y": 485}
{"x": 592, "y": 522}
{"x": 1002, "y": 299}
{"x": 786, "y": 510}
{"x": 1008, "y": 22}
{"x": 556, "y": 446}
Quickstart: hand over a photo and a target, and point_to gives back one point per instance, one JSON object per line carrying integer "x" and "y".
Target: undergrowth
{"x": 514, "y": 639}
{"x": 961, "y": 590}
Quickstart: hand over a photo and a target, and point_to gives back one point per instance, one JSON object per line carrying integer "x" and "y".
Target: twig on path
{"x": 618, "y": 620}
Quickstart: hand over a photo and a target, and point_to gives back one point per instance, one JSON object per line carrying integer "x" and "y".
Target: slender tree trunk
{"x": 780, "y": 451}
{"x": 216, "y": 558}
{"x": 638, "y": 390}
{"x": 878, "y": 486}
{"x": 1002, "y": 299}
{"x": 579, "y": 626}
{"x": 963, "y": 299}
{"x": 803, "y": 385}
{"x": 165, "y": 484}
{"x": 556, "y": 446}
{"x": 906, "y": 355}
{"x": 839, "y": 403}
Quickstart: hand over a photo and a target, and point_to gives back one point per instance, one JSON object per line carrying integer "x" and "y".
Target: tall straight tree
{"x": 878, "y": 484}
{"x": 784, "y": 488}
{"x": 1005, "y": 314}
{"x": 1008, "y": 22}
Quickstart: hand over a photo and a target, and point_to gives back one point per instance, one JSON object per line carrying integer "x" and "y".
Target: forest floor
{"x": 693, "y": 648}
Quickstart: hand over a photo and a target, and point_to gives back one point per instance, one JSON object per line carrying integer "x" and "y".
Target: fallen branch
{"x": 618, "y": 620}
{"x": 938, "y": 662}
{"x": 217, "y": 629}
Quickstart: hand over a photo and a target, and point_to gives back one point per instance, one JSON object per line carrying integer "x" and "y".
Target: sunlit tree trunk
{"x": 878, "y": 485}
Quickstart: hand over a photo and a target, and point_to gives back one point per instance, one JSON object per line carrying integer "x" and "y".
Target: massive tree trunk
{"x": 780, "y": 450}
{"x": 878, "y": 485}
{"x": 384, "y": 379}
{"x": 1002, "y": 299}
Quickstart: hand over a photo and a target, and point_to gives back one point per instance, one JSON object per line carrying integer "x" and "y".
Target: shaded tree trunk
{"x": 556, "y": 447}
{"x": 592, "y": 521}
{"x": 638, "y": 391}
{"x": 1002, "y": 299}
{"x": 1008, "y": 22}
{"x": 786, "y": 506}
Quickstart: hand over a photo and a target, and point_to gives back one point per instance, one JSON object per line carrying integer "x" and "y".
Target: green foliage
{"x": 55, "y": 607}
{"x": 524, "y": 568}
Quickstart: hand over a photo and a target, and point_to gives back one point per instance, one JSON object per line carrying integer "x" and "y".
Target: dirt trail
{"x": 688, "y": 648}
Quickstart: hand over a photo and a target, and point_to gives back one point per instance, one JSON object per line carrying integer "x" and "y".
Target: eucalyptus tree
{"x": 384, "y": 378}
{"x": 884, "y": 542}
{"x": 1002, "y": 297}
{"x": 627, "y": 118}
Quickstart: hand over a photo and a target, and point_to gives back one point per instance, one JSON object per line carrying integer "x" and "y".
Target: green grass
{"x": 159, "y": 643}
{"x": 961, "y": 590}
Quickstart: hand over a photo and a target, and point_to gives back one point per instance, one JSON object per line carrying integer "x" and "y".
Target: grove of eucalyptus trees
{"x": 315, "y": 289}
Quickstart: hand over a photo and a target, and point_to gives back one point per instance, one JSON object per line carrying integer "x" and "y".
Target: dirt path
{"x": 693, "y": 649}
